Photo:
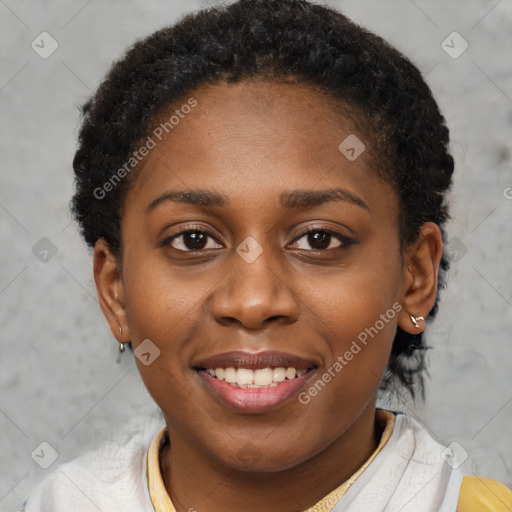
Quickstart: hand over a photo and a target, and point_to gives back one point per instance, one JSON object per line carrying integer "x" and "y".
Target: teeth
{"x": 244, "y": 376}
{"x": 230, "y": 375}
{"x": 261, "y": 378}
{"x": 290, "y": 373}
{"x": 279, "y": 375}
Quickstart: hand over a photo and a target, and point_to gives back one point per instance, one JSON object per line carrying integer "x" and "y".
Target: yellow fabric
{"x": 162, "y": 502}
{"x": 484, "y": 495}
{"x": 157, "y": 490}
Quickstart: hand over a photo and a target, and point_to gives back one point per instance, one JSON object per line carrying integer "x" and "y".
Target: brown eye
{"x": 321, "y": 240}
{"x": 192, "y": 240}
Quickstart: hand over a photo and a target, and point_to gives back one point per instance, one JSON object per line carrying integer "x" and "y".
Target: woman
{"x": 264, "y": 189}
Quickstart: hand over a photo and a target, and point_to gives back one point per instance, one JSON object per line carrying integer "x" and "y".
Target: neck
{"x": 195, "y": 481}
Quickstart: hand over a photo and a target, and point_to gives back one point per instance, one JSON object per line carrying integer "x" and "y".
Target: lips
{"x": 254, "y": 382}
{"x": 255, "y": 361}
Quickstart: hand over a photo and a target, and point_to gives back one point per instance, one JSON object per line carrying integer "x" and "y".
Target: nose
{"x": 254, "y": 294}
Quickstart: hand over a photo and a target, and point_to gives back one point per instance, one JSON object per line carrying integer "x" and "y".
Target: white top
{"x": 112, "y": 478}
{"x": 408, "y": 475}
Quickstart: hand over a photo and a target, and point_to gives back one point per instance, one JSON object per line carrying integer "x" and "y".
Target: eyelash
{"x": 345, "y": 241}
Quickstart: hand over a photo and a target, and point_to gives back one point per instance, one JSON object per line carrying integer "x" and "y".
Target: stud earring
{"x": 415, "y": 320}
{"x": 121, "y": 344}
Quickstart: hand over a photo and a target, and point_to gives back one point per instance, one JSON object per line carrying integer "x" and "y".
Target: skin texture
{"x": 251, "y": 142}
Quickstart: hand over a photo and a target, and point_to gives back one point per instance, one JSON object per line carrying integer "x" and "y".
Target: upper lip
{"x": 255, "y": 360}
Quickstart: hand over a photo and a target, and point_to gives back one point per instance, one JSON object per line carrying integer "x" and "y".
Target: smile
{"x": 254, "y": 383}
{"x": 262, "y": 378}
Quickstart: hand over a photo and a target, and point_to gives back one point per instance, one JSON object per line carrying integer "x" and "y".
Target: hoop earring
{"x": 121, "y": 344}
{"x": 415, "y": 320}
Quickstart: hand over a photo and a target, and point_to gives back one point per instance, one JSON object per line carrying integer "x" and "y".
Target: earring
{"x": 121, "y": 344}
{"x": 415, "y": 320}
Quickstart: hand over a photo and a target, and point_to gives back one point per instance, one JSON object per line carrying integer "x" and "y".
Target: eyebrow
{"x": 292, "y": 200}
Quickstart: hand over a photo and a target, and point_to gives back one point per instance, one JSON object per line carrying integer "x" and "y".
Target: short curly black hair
{"x": 275, "y": 40}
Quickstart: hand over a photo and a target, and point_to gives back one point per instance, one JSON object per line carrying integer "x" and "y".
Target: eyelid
{"x": 346, "y": 240}
{"x": 188, "y": 229}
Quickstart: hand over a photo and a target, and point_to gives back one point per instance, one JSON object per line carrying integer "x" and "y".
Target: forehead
{"x": 253, "y": 140}
{"x": 286, "y": 119}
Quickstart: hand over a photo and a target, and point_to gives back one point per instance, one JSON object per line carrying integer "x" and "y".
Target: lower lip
{"x": 254, "y": 400}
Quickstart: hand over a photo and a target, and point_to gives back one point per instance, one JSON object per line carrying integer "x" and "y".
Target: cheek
{"x": 161, "y": 303}
{"x": 353, "y": 298}
{"x": 162, "y": 307}
{"x": 356, "y": 311}
{"x": 166, "y": 305}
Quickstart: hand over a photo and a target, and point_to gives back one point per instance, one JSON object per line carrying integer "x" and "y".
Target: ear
{"x": 420, "y": 272}
{"x": 109, "y": 285}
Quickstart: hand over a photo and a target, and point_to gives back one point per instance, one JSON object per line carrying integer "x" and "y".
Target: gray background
{"x": 59, "y": 380}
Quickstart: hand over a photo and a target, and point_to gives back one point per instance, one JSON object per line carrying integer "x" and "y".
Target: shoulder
{"x": 427, "y": 449}
{"x": 111, "y": 478}
{"x": 479, "y": 494}
{"x": 474, "y": 493}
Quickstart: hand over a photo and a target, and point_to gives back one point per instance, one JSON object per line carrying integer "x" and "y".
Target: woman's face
{"x": 248, "y": 288}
